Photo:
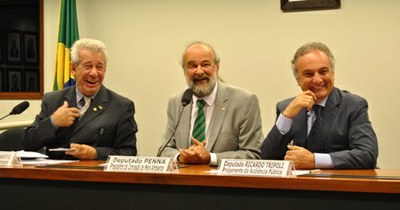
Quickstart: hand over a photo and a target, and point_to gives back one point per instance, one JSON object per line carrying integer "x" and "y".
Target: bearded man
{"x": 220, "y": 122}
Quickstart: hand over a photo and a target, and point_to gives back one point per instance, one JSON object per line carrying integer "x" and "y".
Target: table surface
{"x": 371, "y": 181}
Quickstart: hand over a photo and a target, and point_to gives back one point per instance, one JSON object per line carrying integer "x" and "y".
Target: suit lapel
{"x": 300, "y": 128}
{"x": 183, "y": 132}
{"x": 329, "y": 114}
{"x": 97, "y": 106}
{"x": 218, "y": 115}
{"x": 70, "y": 97}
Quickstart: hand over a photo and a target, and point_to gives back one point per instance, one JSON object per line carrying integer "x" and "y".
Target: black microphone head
{"x": 187, "y": 97}
{"x": 20, "y": 108}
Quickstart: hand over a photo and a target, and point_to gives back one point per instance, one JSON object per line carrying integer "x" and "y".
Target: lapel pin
{"x": 94, "y": 109}
{"x": 100, "y": 107}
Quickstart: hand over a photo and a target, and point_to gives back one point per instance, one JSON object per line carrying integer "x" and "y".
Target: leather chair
{"x": 12, "y": 139}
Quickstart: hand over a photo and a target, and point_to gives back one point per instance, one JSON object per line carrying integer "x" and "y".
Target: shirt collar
{"x": 79, "y": 95}
{"x": 323, "y": 102}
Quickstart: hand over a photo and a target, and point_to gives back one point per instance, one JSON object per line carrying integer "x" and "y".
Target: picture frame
{"x": 302, "y": 5}
{"x": 31, "y": 80}
{"x": 30, "y": 48}
{"x": 30, "y": 22}
{"x": 1, "y": 79}
{"x": 2, "y": 46}
{"x": 14, "y": 47}
{"x": 14, "y": 80}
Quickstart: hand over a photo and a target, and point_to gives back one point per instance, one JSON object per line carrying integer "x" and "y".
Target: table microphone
{"x": 18, "y": 109}
{"x": 186, "y": 99}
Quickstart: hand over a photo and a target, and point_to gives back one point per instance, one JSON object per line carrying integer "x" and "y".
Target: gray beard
{"x": 203, "y": 90}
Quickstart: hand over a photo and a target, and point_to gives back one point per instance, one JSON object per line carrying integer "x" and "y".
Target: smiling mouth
{"x": 317, "y": 89}
{"x": 91, "y": 83}
{"x": 201, "y": 80}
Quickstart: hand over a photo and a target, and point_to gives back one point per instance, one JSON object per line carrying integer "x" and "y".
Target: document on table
{"x": 30, "y": 155}
{"x": 61, "y": 149}
{"x": 36, "y": 158}
{"x": 42, "y": 161}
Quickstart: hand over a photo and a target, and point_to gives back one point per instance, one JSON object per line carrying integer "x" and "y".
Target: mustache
{"x": 201, "y": 77}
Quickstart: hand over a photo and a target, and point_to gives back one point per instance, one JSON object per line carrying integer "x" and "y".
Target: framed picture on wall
{"x": 14, "y": 52}
{"x": 14, "y": 80}
{"x": 1, "y": 46}
{"x": 1, "y": 78}
{"x": 302, "y": 5}
{"x": 30, "y": 48}
{"x": 31, "y": 80}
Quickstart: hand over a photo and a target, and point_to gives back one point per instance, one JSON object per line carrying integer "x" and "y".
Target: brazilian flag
{"x": 67, "y": 34}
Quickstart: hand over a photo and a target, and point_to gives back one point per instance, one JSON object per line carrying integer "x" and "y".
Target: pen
{"x": 291, "y": 144}
{"x": 315, "y": 171}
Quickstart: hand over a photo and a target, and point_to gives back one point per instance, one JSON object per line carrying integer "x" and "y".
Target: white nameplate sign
{"x": 140, "y": 164}
{"x": 275, "y": 168}
{"x": 9, "y": 159}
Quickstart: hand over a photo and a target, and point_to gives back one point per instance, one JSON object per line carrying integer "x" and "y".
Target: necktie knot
{"x": 317, "y": 110}
{"x": 200, "y": 103}
{"x": 84, "y": 100}
{"x": 84, "y": 104}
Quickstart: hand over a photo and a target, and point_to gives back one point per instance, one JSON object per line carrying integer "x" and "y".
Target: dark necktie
{"x": 314, "y": 140}
{"x": 199, "y": 128}
{"x": 84, "y": 104}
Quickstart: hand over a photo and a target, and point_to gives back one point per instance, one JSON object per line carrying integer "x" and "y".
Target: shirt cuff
{"x": 176, "y": 157}
{"x": 214, "y": 160}
{"x": 323, "y": 160}
{"x": 53, "y": 124}
{"x": 283, "y": 124}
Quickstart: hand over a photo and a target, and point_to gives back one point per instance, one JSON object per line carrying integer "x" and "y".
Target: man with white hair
{"x": 89, "y": 119}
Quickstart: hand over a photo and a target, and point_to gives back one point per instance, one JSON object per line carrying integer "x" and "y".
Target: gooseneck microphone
{"x": 186, "y": 99}
{"x": 18, "y": 109}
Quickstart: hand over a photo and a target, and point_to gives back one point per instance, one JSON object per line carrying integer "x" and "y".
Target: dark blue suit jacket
{"x": 349, "y": 137}
{"x": 108, "y": 125}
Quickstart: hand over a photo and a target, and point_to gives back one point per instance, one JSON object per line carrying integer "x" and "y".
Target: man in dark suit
{"x": 232, "y": 124}
{"x": 343, "y": 136}
{"x": 91, "y": 120}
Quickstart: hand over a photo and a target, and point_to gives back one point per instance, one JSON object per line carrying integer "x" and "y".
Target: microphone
{"x": 186, "y": 99}
{"x": 18, "y": 109}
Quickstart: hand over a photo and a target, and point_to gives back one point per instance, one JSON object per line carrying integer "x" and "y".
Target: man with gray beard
{"x": 220, "y": 122}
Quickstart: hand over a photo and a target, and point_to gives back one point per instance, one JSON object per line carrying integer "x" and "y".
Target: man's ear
{"x": 73, "y": 69}
{"x": 217, "y": 70}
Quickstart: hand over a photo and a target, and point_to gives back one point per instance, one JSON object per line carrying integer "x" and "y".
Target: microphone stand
{"x": 4, "y": 116}
{"x": 173, "y": 134}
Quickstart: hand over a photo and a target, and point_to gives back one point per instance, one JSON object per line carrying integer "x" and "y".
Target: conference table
{"x": 85, "y": 185}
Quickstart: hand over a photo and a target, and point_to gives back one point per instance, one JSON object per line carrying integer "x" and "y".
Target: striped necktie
{"x": 199, "y": 128}
{"x": 84, "y": 104}
{"x": 314, "y": 140}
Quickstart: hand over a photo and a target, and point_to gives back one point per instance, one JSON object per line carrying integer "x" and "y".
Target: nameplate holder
{"x": 9, "y": 159}
{"x": 140, "y": 164}
{"x": 270, "y": 168}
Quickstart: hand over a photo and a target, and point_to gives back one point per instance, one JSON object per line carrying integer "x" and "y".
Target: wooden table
{"x": 84, "y": 185}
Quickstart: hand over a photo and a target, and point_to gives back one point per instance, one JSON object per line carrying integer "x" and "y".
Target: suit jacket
{"x": 236, "y": 130}
{"x": 347, "y": 132}
{"x": 108, "y": 125}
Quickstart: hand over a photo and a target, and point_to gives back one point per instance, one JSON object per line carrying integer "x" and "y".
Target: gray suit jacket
{"x": 108, "y": 125}
{"x": 348, "y": 134}
{"x": 236, "y": 130}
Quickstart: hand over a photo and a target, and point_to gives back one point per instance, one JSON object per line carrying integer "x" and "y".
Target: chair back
{"x": 12, "y": 139}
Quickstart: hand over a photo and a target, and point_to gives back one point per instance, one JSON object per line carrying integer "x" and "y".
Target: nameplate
{"x": 9, "y": 159}
{"x": 273, "y": 168}
{"x": 140, "y": 164}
